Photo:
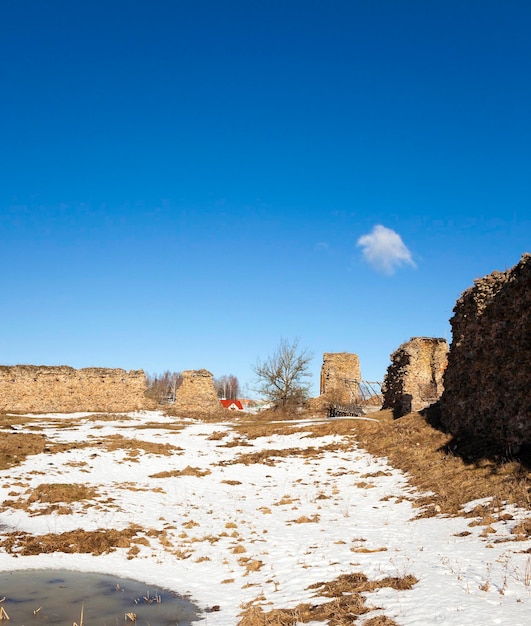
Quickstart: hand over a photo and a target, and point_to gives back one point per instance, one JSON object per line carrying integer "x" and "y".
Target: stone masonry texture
{"x": 63, "y": 389}
{"x": 338, "y": 366}
{"x": 487, "y": 396}
{"x": 197, "y": 392}
{"x": 414, "y": 380}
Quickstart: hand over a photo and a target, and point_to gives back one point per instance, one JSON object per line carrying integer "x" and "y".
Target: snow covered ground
{"x": 229, "y": 534}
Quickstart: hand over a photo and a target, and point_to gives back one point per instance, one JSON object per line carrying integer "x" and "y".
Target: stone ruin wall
{"x": 338, "y": 366}
{"x": 63, "y": 389}
{"x": 414, "y": 380}
{"x": 487, "y": 392}
{"x": 196, "y": 392}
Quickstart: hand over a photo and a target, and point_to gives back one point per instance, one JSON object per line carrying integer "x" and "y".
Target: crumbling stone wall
{"x": 338, "y": 366}
{"x": 197, "y": 392}
{"x": 487, "y": 396}
{"x": 414, "y": 380}
{"x": 63, "y": 389}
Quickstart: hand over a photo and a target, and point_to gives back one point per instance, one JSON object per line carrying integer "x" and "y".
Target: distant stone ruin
{"x": 487, "y": 396}
{"x": 63, "y": 389}
{"x": 197, "y": 392}
{"x": 336, "y": 369}
{"x": 414, "y": 380}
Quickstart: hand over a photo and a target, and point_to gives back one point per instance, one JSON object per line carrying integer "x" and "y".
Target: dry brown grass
{"x": 362, "y": 550}
{"x": 63, "y": 423}
{"x": 15, "y": 447}
{"x": 286, "y": 499}
{"x": 239, "y": 549}
{"x": 304, "y": 519}
{"x": 58, "y": 447}
{"x": 217, "y": 435}
{"x": 376, "y": 474}
{"x": 187, "y": 471}
{"x": 254, "y": 430}
{"x": 176, "y": 426}
{"x": 134, "y": 446}
{"x": 420, "y": 450}
{"x": 6, "y": 421}
{"x": 235, "y": 443}
{"x": 270, "y": 457}
{"x": 106, "y": 417}
{"x": 523, "y": 528}
{"x": 358, "y": 582}
{"x": 215, "y": 415}
{"x": 346, "y": 606}
{"x": 95, "y": 542}
{"x": 346, "y": 427}
{"x": 380, "y": 620}
{"x": 56, "y": 494}
{"x": 412, "y": 445}
{"x": 61, "y": 492}
{"x": 250, "y": 565}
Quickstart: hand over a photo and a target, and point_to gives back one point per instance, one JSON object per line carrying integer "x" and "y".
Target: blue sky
{"x": 184, "y": 183}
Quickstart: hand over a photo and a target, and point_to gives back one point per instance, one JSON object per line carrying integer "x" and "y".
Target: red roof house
{"x": 232, "y": 405}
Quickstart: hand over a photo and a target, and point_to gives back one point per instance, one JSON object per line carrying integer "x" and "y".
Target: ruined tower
{"x": 196, "y": 392}
{"x": 414, "y": 380}
{"x": 336, "y": 369}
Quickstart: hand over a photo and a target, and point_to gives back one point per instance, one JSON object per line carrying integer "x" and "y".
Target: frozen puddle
{"x": 59, "y": 596}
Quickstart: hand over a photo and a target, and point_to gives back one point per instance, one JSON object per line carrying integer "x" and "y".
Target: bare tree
{"x": 163, "y": 387}
{"x": 227, "y": 387}
{"x": 281, "y": 378}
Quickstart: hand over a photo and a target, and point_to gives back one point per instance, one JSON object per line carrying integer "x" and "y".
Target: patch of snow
{"x": 235, "y": 534}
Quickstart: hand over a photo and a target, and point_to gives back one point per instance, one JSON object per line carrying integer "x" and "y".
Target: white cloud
{"x": 384, "y": 249}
